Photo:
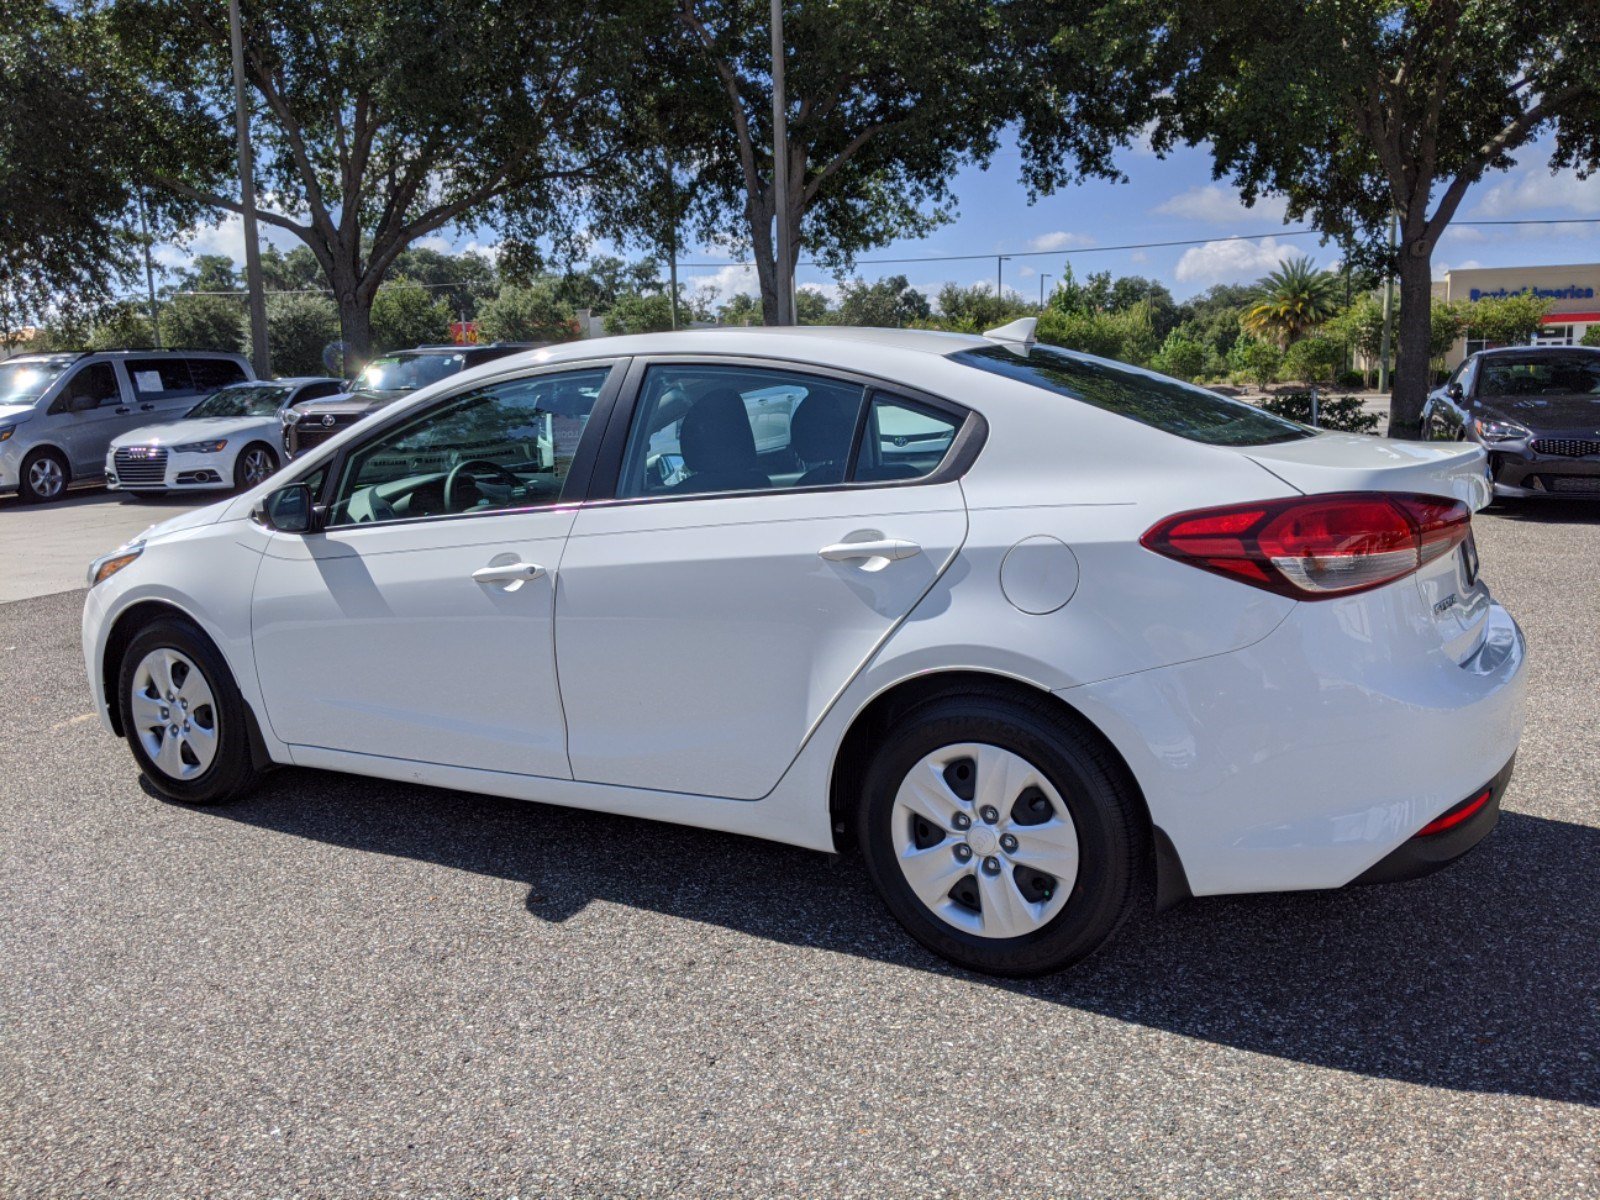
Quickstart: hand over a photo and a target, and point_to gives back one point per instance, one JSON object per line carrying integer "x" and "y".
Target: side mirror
{"x": 1454, "y": 391}
{"x": 289, "y": 510}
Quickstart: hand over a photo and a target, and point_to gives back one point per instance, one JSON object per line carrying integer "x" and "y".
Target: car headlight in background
{"x": 288, "y": 416}
{"x": 199, "y": 447}
{"x": 107, "y": 565}
{"x": 1500, "y": 431}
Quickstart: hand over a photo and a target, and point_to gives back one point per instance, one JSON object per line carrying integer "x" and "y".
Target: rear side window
{"x": 161, "y": 378}
{"x": 1154, "y": 400}
{"x": 902, "y": 440}
{"x": 212, "y": 373}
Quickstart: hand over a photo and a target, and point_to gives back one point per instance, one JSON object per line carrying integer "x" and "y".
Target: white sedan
{"x": 231, "y": 439}
{"x": 1040, "y": 633}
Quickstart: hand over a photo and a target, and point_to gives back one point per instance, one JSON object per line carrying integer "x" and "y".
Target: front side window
{"x": 160, "y": 378}
{"x": 505, "y": 445}
{"x": 95, "y": 386}
{"x": 1177, "y": 408}
{"x": 699, "y": 429}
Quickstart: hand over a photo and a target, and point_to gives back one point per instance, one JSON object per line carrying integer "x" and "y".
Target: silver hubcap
{"x": 257, "y": 466}
{"x": 174, "y": 713}
{"x": 45, "y": 477}
{"x": 984, "y": 840}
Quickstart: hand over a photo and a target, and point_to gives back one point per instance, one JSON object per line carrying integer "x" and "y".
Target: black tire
{"x": 232, "y": 772}
{"x": 241, "y": 481}
{"x": 32, "y": 494}
{"x": 1111, "y": 827}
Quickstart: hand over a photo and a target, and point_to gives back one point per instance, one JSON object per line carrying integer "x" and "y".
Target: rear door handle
{"x": 515, "y": 572}
{"x": 146, "y": 407}
{"x": 890, "y": 548}
{"x": 124, "y": 409}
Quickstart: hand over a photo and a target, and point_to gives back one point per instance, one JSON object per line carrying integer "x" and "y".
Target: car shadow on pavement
{"x": 1484, "y": 977}
{"x": 1549, "y": 512}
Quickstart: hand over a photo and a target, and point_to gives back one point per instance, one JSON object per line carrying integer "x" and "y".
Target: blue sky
{"x": 1162, "y": 200}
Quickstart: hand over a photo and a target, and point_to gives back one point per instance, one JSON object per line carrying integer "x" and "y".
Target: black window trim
{"x": 573, "y": 488}
{"x": 971, "y": 429}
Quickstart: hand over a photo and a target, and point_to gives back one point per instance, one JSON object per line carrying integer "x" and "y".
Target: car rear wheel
{"x": 999, "y": 836}
{"x": 183, "y": 715}
{"x": 44, "y": 477}
{"x": 256, "y": 462}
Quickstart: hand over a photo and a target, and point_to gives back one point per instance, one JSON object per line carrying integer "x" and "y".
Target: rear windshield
{"x": 1546, "y": 375}
{"x": 1154, "y": 400}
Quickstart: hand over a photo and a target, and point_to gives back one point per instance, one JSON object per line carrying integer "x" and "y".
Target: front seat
{"x": 718, "y": 446}
{"x": 820, "y": 433}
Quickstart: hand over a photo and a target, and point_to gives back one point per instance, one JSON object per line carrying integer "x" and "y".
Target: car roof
{"x": 803, "y": 340}
{"x": 1536, "y": 351}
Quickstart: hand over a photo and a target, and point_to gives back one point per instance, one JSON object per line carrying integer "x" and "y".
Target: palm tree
{"x": 1291, "y": 301}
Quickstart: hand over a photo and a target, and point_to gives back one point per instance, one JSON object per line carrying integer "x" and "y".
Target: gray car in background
{"x": 1535, "y": 409}
{"x": 59, "y": 413}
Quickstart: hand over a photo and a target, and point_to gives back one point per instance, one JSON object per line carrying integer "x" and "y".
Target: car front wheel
{"x": 44, "y": 477}
{"x": 183, "y": 715}
{"x": 256, "y": 462}
{"x": 1000, "y": 836}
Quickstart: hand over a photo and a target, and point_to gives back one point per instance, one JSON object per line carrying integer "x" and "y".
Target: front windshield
{"x": 24, "y": 382}
{"x": 407, "y": 373}
{"x": 1545, "y": 375}
{"x": 241, "y": 402}
{"x": 1143, "y": 396}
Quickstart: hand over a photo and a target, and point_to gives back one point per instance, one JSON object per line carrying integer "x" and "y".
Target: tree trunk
{"x": 1413, "y": 362}
{"x": 766, "y": 257}
{"x": 355, "y": 328}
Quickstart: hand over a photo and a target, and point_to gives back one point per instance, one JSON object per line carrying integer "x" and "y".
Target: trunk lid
{"x": 1354, "y": 462}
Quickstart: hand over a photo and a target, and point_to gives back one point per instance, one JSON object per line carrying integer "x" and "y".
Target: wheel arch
{"x": 874, "y": 718}
{"x": 123, "y": 630}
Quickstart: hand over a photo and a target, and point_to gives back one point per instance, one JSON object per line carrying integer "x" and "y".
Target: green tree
{"x": 204, "y": 323}
{"x": 375, "y": 127}
{"x": 461, "y": 281}
{"x": 121, "y": 326}
{"x": 1591, "y": 336}
{"x": 207, "y": 273}
{"x": 640, "y": 312}
{"x": 811, "y": 307}
{"x": 74, "y": 135}
{"x": 890, "y": 303}
{"x": 1291, "y": 301}
{"x": 1093, "y": 295}
{"x": 1503, "y": 320}
{"x": 1313, "y": 359}
{"x": 885, "y": 104}
{"x": 977, "y": 308}
{"x": 741, "y": 309}
{"x": 532, "y": 313}
{"x": 300, "y": 331}
{"x": 1180, "y": 357}
{"x": 1360, "y": 327}
{"x": 1257, "y": 360}
{"x": 1353, "y": 109}
{"x": 294, "y": 271}
{"x": 405, "y": 314}
{"x": 1128, "y": 290}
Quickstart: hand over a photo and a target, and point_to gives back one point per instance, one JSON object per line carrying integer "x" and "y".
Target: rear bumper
{"x": 1305, "y": 760}
{"x": 1425, "y": 853}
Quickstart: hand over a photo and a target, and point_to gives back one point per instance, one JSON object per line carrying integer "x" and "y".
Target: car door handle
{"x": 890, "y": 548}
{"x": 146, "y": 407}
{"x": 124, "y": 409}
{"x": 515, "y": 572}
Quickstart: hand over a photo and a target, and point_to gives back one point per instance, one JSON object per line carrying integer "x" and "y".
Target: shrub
{"x": 300, "y": 329}
{"x": 405, "y": 314}
{"x": 527, "y": 314}
{"x": 1255, "y": 360}
{"x": 1312, "y": 359}
{"x": 204, "y": 323}
{"x": 1342, "y": 413}
{"x": 1180, "y": 357}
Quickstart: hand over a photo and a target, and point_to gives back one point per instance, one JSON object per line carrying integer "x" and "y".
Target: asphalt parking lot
{"x": 343, "y": 987}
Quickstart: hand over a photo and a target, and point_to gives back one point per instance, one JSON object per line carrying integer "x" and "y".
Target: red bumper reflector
{"x": 1454, "y": 816}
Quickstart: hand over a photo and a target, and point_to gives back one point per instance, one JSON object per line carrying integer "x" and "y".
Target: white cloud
{"x": 727, "y": 282}
{"x": 435, "y": 242}
{"x": 1535, "y": 189}
{"x": 1138, "y": 256}
{"x": 224, "y": 236}
{"x": 1026, "y": 272}
{"x": 1060, "y": 240}
{"x": 1217, "y": 205}
{"x": 1463, "y": 233}
{"x": 1232, "y": 261}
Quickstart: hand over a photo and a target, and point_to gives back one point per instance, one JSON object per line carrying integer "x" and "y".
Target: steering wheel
{"x": 474, "y": 466}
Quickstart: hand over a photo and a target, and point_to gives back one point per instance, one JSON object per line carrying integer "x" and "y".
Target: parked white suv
{"x": 60, "y": 412}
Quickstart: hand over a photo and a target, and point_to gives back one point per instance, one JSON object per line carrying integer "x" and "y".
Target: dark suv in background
{"x": 384, "y": 380}
{"x": 1535, "y": 409}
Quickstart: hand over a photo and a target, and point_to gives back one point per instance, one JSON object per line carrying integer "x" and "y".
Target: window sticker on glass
{"x": 147, "y": 381}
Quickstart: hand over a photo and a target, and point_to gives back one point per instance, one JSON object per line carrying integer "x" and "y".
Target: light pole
{"x": 1042, "y": 277}
{"x": 1000, "y": 261}
{"x": 783, "y": 278}
{"x": 149, "y": 273}
{"x": 260, "y": 355}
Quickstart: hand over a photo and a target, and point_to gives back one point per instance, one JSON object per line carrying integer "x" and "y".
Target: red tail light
{"x": 1315, "y": 547}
